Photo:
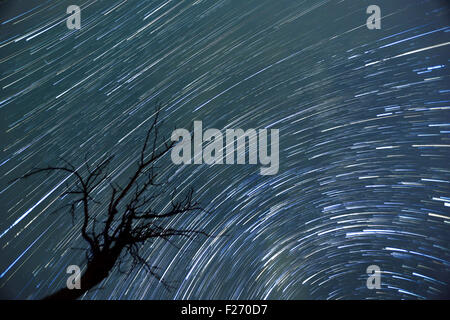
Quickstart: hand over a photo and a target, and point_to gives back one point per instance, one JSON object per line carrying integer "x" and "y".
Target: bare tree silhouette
{"x": 126, "y": 221}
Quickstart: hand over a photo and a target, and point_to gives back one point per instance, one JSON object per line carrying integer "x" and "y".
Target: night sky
{"x": 364, "y": 120}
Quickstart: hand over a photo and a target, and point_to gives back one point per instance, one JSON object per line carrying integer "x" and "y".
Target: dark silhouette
{"x": 126, "y": 222}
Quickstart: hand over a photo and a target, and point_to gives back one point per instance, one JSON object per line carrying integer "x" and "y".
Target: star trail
{"x": 364, "y": 124}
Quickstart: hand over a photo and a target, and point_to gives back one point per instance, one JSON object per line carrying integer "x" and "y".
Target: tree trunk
{"x": 97, "y": 270}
